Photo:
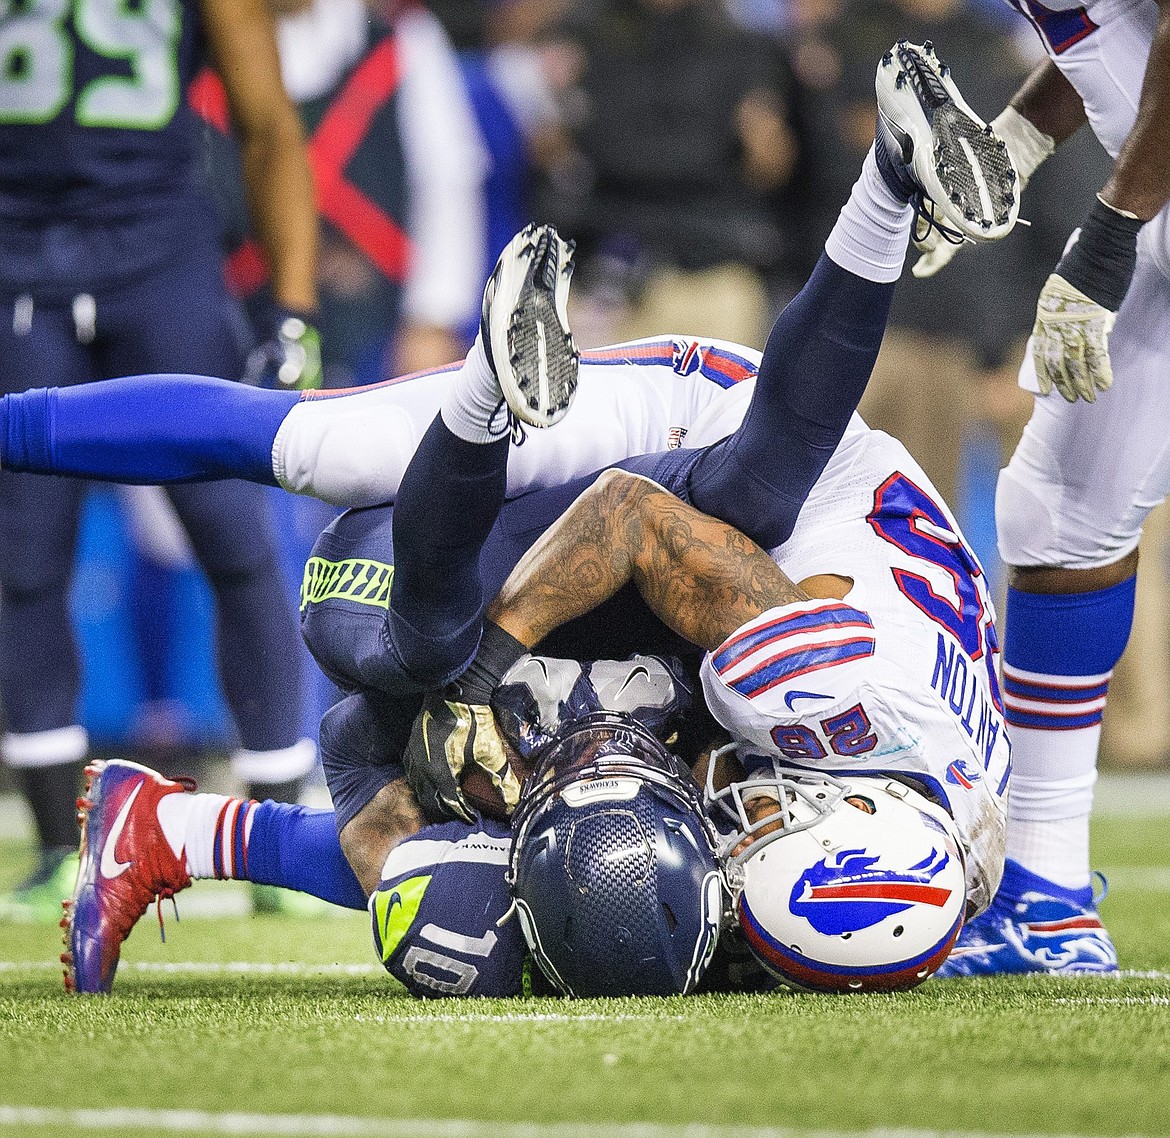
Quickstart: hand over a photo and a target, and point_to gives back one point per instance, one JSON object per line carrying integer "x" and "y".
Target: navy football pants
{"x": 173, "y": 320}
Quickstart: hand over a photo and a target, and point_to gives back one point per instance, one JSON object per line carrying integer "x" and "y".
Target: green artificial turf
{"x": 317, "y": 1031}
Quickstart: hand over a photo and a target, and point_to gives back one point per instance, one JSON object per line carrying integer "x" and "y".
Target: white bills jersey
{"x": 351, "y": 448}
{"x": 899, "y": 677}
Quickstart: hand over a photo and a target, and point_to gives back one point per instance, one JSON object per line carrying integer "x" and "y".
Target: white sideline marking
{"x": 343, "y": 1126}
{"x": 213, "y": 968}
{"x": 1147, "y": 878}
{"x": 1116, "y": 1001}
{"x": 294, "y": 968}
{"x": 291, "y": 967}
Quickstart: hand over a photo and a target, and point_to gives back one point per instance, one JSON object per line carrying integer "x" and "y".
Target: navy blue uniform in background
{"x": 110, "y": 264}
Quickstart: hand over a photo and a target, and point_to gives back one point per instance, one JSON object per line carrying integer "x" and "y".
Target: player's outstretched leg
{"x": 523, "y": 366}
{"x": 1034, "y": 925}
{"x": 525, "y": 325}
{"x": 950, "y": 164}
{"x": 823, "y": 346}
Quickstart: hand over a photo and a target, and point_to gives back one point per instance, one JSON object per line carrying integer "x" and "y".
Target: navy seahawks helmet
{"x": 613, "y": 864}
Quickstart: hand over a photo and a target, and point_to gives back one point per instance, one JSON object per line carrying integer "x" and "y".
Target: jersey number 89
{"x": 37, "y": 57}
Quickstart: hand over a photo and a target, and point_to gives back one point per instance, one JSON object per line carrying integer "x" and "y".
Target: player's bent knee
{"x": 1024, "y": 523}
{"x": 431, "y": 657}
{"x": 1035, "y": 530}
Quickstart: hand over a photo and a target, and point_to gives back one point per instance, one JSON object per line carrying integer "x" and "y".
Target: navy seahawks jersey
{"x": 93, "y": 113}
{"x": 437, "y": 911}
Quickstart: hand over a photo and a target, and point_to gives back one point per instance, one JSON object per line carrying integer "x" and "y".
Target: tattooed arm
{"x": 700, "y": 576}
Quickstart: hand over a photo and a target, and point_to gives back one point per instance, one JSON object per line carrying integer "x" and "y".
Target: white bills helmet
{"x": 846, "y": 885}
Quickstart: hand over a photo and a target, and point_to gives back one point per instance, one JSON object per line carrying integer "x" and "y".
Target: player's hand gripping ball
{"x": 457, "y": 763}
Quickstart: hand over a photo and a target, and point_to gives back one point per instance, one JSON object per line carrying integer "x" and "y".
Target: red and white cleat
{"x": 126, "y": 863}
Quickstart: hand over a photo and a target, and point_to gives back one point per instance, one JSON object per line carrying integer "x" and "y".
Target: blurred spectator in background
{"x": 399, "y": 168}
{"x": 110, "y": 265}
{"x": 399, "y": 171}
{"x": 674, "y": 142}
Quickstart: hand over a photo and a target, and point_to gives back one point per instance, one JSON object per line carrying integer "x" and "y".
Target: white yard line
{"x": 293, "y": 968}
{"x": 31, "y": 1118}
{"x": 1145, "y": 878}
{"x": 213, "y": 968}
{"x": 1115, "y": 1001}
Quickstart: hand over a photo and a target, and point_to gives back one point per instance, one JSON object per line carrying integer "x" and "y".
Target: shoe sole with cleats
{"x": 956, "y": 159}
{"x": 526, "y": 326}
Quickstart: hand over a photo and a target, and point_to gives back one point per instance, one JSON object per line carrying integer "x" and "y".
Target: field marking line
{"x": 1114, "y": 1001}
{"x": 343, "y": 1126}
{"x": 214, "y": 968}
{"x": 295, "y": 968}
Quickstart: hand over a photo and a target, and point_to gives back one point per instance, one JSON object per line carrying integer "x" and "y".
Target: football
{"x": 482, "y": 795}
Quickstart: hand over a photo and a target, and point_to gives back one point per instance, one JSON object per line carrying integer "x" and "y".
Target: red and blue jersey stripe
{"x": 827, "y": 618}
{"x": 718, "y": 364}
{"x": 782, "y": 647}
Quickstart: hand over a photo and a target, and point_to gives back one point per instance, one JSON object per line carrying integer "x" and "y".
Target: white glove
{"x": 1027, "y": 147}
{"x": 936, "y": 251}
{"x": 1070, "y": 342}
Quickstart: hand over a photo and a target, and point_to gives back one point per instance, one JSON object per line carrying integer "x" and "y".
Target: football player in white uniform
{"x": 1090, "y": 467}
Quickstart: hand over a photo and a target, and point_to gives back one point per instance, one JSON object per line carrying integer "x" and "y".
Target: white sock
{"x": 473, "y": 408}
{"x": 1050, "y": 802}
{"x": 1058, "y": 851}
{"x": 204, "y": 829}
{"x": 872, "y": 230}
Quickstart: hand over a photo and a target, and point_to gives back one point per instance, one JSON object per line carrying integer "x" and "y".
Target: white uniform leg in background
{"x": 1075, "y": 496}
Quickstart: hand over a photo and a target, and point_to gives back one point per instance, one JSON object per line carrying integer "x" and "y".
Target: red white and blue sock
{"x": 269, "y": 843}
{"x": 1059, "y": 653}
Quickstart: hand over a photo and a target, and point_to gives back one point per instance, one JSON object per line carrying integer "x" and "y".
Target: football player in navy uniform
{"x": 110, "y": 264}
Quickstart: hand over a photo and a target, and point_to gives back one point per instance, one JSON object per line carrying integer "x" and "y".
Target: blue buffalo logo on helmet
{"x": 849, "y": 891}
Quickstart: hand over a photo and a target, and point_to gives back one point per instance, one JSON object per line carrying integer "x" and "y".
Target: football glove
{"x": 446, "y": 737}
{"x": 288, "y": 356}
{"x": 1078, "y": 306}
{"x": 456, "y": 727}
{"x": 1027, "y": 147}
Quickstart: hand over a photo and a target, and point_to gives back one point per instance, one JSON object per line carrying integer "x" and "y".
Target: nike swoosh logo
{"x": 395, "y": 903}
{"x": 111, "y": 866}
{"x": 795, "y": 695}
{"x": 639, "y": 672}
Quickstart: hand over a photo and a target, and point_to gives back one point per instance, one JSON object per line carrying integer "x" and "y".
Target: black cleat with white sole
{"x": 934, "y": 150}
{"x": 525, "y": 326}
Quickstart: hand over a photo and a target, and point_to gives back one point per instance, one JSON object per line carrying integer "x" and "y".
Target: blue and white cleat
{"x": 932, "y": 149}
{"x": 126, "y": 863}
{"x": 1034, "y": 925}
{"x": 525, "y": 326}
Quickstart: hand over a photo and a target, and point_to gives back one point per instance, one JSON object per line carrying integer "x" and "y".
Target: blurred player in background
{"x": 1090, "y": 467}
{"x": 110, "y": 264}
